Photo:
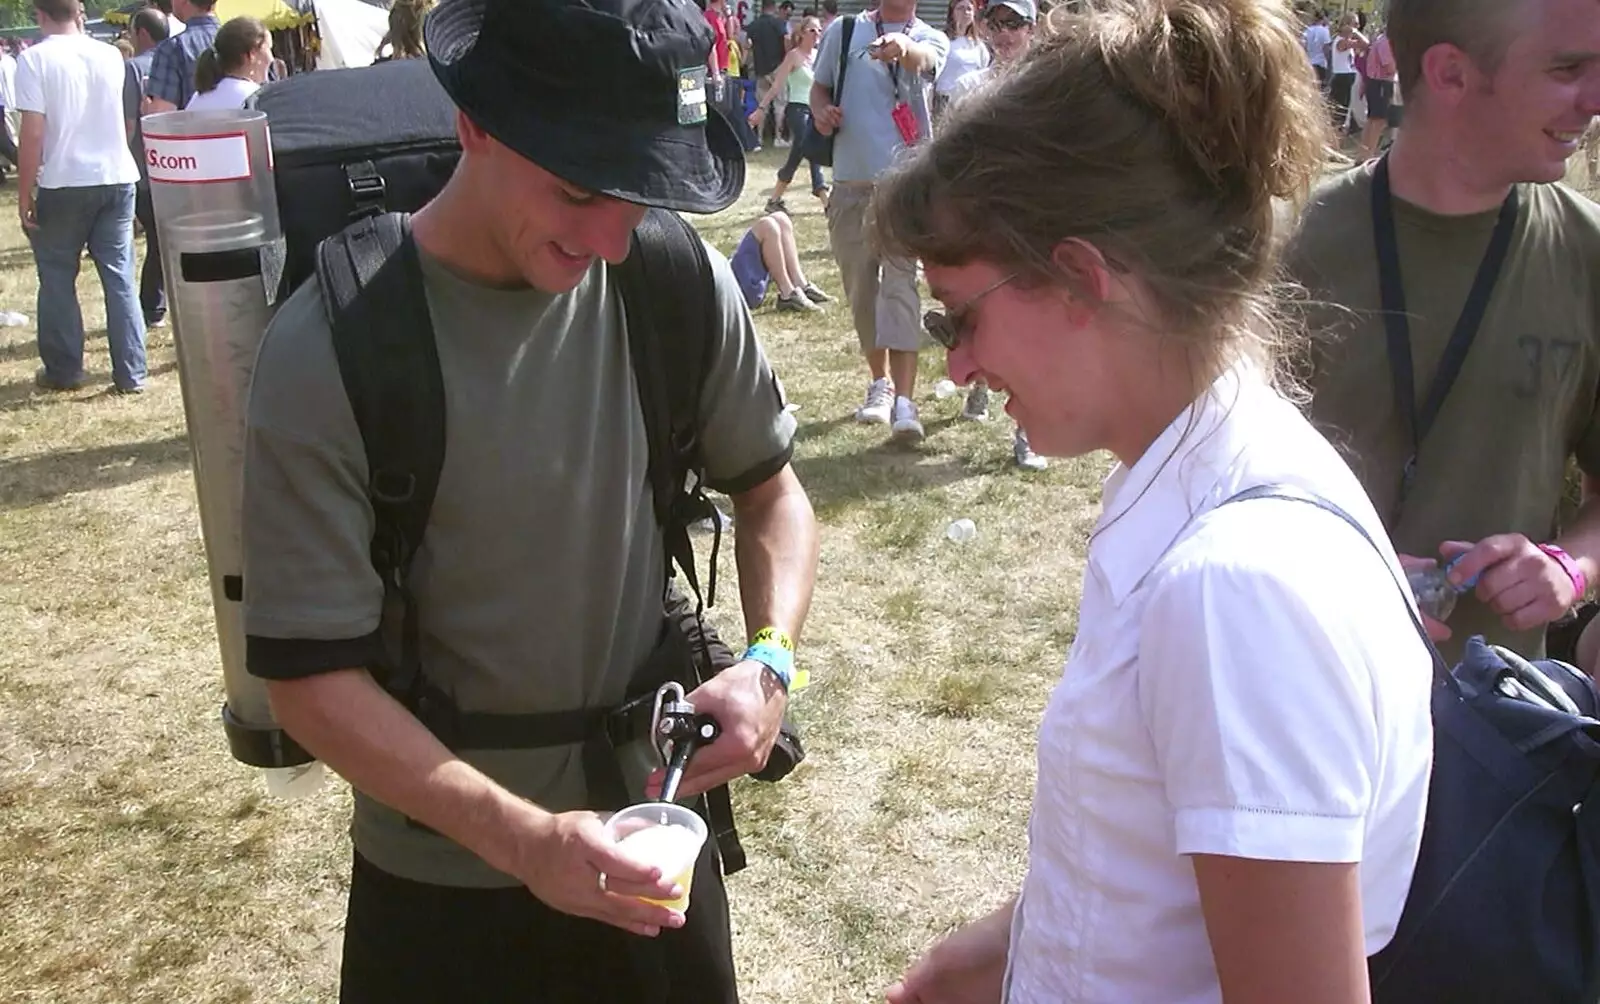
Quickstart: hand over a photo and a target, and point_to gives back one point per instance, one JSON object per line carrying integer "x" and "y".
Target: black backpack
{"x": 382, "y": 143}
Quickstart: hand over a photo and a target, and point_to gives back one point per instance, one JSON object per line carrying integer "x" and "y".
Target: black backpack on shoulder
{"x": 356, "y": 151}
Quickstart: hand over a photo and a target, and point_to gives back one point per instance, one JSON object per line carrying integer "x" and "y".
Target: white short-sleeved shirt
{"x": 76, "y": 83}
{"x": 1316, "y": 39}
{"x": 1246, "y": 681}
{"x": 967, "y": 55}
{"x": 230, "y": 92}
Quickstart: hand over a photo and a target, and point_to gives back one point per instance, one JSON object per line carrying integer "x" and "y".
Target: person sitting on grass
{"x": 767, "y": 254}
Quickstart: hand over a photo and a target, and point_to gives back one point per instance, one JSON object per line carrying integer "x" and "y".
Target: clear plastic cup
{"x": 661, "y": 835}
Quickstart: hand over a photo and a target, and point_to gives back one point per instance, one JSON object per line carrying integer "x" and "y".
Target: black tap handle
{"x": 688, "y": 734}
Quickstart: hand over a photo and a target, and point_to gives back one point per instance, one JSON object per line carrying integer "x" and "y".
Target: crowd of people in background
{"x": 71, "y": 126}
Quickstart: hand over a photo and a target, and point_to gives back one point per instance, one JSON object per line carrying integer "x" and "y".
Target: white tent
{"x": 350, "y": 31}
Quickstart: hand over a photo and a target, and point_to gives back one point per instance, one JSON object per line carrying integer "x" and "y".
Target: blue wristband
{"x": 778, "y": 659}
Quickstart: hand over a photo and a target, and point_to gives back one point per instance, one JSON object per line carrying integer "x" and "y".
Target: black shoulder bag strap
{"x": 383, "y": 337}
{"x": 845, "y": 33}
{"x": 1397, "y": 324}
{"x": 671, "y": 311}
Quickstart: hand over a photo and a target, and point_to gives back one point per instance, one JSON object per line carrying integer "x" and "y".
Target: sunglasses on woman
{"x": 948, "y": 329}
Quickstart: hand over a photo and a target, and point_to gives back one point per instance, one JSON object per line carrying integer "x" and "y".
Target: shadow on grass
{"x": 839, "y": 483}
{"x": 14, "y": 351}
{"x": 23, "y": 393}
{"x": 32, "y": 480}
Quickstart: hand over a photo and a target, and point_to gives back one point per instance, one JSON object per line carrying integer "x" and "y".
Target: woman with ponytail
{"x": 234, "y": 67}
{"x": 1233, "y": 769}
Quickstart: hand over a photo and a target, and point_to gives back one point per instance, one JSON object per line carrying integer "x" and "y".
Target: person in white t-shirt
{"x": 9, "y": 117}
{"x": 74, "y": 148}
{"x": 234, "y": 67}
{"x": 968, "y": 53}
{"x": 1348, "y": 46}
{"x": 1233, "y": 769}
{"x": 1318, "y": 43}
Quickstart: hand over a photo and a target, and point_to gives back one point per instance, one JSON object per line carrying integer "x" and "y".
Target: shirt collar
{"x": 1180, "y": 476}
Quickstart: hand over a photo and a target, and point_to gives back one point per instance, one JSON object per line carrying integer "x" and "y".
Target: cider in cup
{"x": 663, "y": 835}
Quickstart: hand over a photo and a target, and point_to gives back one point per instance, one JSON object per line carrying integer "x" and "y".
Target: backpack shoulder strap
{"x": 373, "y": 294}
{"x": 669, "y": 303}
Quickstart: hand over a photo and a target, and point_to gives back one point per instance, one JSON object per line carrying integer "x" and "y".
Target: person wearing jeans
{"x": 99, "y": 217}
{"x": 793, "y": 79}
{"x": 75, "y": 150}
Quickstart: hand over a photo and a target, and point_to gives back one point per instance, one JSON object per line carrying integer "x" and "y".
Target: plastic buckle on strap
{"x": 367, "y": 189}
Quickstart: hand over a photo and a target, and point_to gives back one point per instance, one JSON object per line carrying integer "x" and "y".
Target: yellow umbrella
{"x": 275, "y": 14}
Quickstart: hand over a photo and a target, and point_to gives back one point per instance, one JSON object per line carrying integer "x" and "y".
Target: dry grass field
{"x": 139, "y": 863}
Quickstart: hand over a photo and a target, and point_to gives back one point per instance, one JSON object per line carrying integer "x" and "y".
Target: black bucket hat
{"x": 608, "y": 95}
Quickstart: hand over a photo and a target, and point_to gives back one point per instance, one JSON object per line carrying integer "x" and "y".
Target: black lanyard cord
{"x": 1397, "y": 324}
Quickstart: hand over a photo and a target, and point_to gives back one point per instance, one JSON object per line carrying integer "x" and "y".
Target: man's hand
{"x": 968, "y": 967}
{"x": 890, "y": 48}
{"x": 26, "y": 211}
{"x": 562, "y": 861}
{"x": 827, "y": 118}
{"x": 748, "y": 702}
{"x": 1436, "y": 629}
{"x": 1525, "y": 586}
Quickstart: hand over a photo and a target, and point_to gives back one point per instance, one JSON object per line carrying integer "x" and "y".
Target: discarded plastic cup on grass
{"x": 664, "y": 835}
{"x": 962, "y": 530}
{"x": 295, "y": 782}
{"x": 945, "y": 389}
{"x": 12, "y": 319}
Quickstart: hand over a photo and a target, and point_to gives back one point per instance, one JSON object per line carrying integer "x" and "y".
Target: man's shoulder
{"x": 1337, "y": 210}
{"x": 1569, "y": 214}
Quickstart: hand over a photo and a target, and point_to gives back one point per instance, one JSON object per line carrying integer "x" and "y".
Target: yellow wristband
{"x": 773, "y": 636}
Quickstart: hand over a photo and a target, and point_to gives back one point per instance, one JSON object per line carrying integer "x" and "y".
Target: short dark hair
{"x": 151, "y": 21}
{"x": 59, "y": 11}
{"x": 768, "y": 4}
{"x": 1479, "y": 28}
{"x": 830, "y": 7}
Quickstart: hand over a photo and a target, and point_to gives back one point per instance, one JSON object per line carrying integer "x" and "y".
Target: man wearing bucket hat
{"x": 477, "y": 877}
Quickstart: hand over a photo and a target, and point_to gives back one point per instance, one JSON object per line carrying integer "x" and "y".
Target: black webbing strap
{"x": 669, "y": 341}
{"x": 1397, "y": 324}
{"x": 383, "y": 336}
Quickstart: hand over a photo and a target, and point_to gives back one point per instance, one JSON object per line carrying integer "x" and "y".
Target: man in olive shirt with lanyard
{"x": 1457, "y": 308}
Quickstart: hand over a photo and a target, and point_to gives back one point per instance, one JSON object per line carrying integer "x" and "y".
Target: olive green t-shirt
{"x": 1525, "y": 400}
{"x": 539, "y": 581}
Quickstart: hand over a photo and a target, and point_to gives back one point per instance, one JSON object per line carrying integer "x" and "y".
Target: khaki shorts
{"x": 882, "y": 291}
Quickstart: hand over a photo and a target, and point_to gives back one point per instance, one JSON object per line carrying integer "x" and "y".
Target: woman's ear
{"x": 1086, "y": 274}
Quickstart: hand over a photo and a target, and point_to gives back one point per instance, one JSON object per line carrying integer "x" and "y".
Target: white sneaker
{"x": 907, "y": 427}
{"x": 880, "y": 398}
{"x": 1026, "y": 459}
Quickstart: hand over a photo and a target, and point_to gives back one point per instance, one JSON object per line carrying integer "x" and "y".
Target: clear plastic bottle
{"x": 1436, "y": 595}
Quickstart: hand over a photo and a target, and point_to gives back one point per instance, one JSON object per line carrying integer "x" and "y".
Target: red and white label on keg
{"x": 197, "y": 160}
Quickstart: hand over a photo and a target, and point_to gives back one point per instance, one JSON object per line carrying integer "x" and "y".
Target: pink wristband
{"x": 1580, "y": 583}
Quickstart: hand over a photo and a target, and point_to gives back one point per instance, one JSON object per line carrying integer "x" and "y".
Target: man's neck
{"x": 895, "y": 13}
{"x": 438, "y": 229}
{"x": 1426, "y": 172}
{"x": 48, "y": 27}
